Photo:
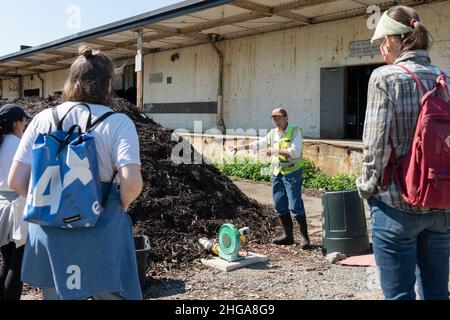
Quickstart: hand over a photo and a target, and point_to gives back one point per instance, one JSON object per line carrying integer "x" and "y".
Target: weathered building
{"x": 229, "y": 63}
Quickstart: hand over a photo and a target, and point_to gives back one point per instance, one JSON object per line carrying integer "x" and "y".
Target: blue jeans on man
{"x": 408, "y": 247}
{"x": 287, "y": 201}
{"x": 287, "y": 194}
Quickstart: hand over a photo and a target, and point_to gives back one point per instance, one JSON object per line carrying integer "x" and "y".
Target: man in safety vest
{"x": 284, "y": 145}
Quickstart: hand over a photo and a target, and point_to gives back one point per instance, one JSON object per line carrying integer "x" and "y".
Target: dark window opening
{"x": 356, "y": 101}
{"x": 32, "y": 93}
{"x": 343, "y": 101}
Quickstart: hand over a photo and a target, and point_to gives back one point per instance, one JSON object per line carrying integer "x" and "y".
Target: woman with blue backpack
{"x": 12, "y": 125}
{"x": 79, "y": 166}
{"x": 406, "y": 164}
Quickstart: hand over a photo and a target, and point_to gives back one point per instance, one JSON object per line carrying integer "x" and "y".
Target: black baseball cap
{"x": 12, "y": 112}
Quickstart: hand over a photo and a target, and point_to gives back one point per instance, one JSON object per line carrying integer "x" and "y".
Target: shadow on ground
{"x": 263, "y": 266}
{"x": 155, "y": 289}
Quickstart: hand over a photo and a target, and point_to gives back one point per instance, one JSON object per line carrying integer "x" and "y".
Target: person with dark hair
{"x": 99, "y": 261}
{"x": 284, "y": 145}
{"x": 410, "y": 242}
{"x": 13, "y": 120}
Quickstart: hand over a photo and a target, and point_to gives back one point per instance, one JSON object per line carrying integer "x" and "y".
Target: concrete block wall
{"x": 331, "y": 157}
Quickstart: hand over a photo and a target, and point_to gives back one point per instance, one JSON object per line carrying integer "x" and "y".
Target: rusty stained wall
{"x": 283, "y": 67}
{"x": 274, "y": 68}
{"x": 260, "y": 72}
{"x": 32, "y": 82}
{"x": 194, "y": 79}
{"x": 10, "y": 89}
{"x": 53, "y": 81}
{"x": 437, "y": 19}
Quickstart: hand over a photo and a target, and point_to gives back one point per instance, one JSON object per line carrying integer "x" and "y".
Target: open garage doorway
{"x": 125, "y": 83}
{"x": 343, "y": 101}
{"x": 357, "y": 85}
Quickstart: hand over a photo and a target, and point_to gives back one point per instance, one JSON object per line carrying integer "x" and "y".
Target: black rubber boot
{"x": 287, "y": 225}
{"x": 304, "y": 242}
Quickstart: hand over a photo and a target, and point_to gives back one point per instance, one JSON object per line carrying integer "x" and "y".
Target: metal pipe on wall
{"x": 20, "y": 87}
{"x": 220, "y": 121}
{"x": 140, "y": 71}
{"x": 42, "y": 85}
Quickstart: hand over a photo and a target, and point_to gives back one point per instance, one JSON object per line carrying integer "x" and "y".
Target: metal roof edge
{"x": 154, "y": 16}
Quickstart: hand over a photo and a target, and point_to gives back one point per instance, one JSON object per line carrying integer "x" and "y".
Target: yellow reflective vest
{"x": 282, "y": 164}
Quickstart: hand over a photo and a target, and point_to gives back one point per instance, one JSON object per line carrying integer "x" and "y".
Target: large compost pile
{"x": 180, "y": 202}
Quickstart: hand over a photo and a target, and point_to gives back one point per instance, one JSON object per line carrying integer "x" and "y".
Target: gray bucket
{"x": 142, "y": 244}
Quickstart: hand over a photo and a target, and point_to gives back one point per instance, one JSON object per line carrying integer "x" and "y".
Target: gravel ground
{"x": 290, "y": 273}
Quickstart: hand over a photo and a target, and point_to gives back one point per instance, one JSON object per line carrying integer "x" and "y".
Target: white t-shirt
{"x": 7, "y": 150}
{"x": 116, "y": 138}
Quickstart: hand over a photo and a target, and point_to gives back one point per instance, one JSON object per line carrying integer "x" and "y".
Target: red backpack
{"x": 423, "y": 174}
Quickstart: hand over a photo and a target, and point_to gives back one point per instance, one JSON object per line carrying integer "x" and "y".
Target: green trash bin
{"x": 344, "y": 223}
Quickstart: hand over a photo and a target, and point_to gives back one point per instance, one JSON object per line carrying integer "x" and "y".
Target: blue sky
{"x": 31, "y": 22}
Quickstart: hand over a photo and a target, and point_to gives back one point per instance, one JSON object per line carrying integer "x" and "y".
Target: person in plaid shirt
{"x": 410, "y": 243}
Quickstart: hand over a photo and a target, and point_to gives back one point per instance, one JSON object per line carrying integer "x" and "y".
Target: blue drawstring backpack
{"x": 65, "y": 188}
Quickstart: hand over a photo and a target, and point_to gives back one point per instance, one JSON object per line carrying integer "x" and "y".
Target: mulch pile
{"x": 180, "y": 202}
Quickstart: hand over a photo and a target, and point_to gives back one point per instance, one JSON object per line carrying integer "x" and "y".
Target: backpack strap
{"x": 99, "y": 120}
{"x": 108, "y": 192}
{"x": 420, "y": 84}
{"x": 89, "y": 121}
{"x": 66, "y": 141}
{"x": 443, "y": 83}
{"x": 391, "y": 169}
{"x": 90, "y": 129}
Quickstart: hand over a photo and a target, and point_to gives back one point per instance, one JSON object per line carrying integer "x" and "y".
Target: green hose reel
{"x": 229, "y": 243}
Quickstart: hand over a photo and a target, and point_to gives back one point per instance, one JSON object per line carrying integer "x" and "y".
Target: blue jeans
{"x": 51, "y": 294}
{"x": 409, "y": 247}
{"x": 287, "y": 194}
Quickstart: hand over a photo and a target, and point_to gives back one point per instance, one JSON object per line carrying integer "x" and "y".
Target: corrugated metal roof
{"x": 184, "y": 24}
